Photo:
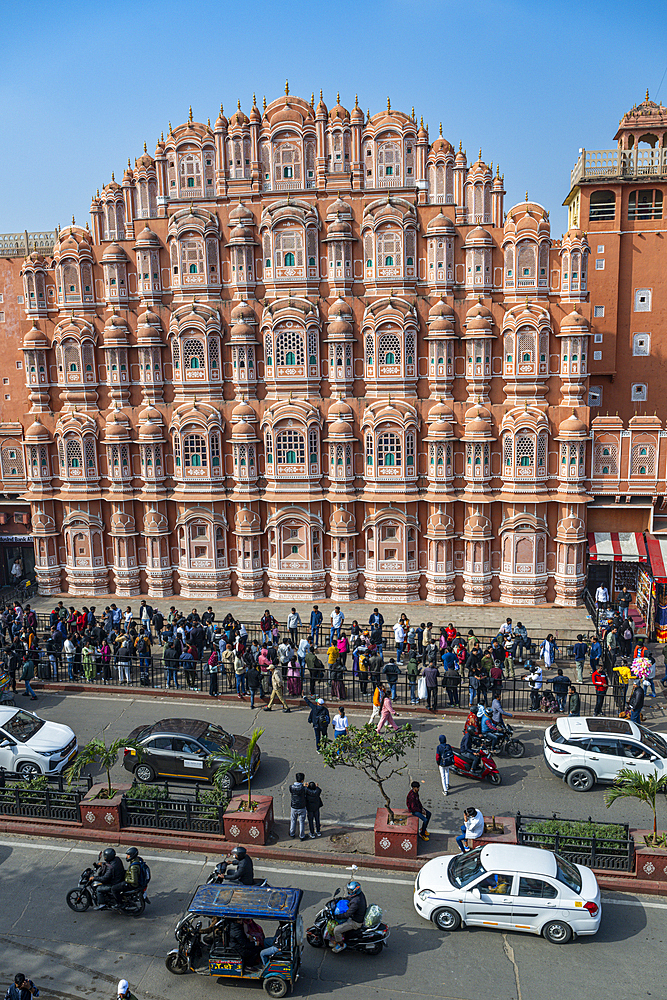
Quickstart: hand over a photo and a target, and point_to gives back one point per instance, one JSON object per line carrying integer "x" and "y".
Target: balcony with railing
{"x": 624, "y": 164}
{"x": 21, "y": 244}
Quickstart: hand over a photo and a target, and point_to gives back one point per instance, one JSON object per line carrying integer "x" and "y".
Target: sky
{"x": 84, "y": 84}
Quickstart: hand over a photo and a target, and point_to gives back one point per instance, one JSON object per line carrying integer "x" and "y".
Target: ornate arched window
{"x": 389, "y": 349}
{"x": 290, "y": 448}
{"x": 290, "y": 348}
{"x": 389, "y": 450}
{"x": 195, "y": 452}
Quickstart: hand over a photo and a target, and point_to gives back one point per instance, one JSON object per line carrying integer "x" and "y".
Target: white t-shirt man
{"x": 337, "y": 619}
{"x": 475, "y": 825}
{"x": 340, "y": 723}
{"x": 602, "y": 595}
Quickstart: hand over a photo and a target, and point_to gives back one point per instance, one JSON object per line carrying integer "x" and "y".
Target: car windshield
{"x": 215, "y": 738}
{"x": 465, "y": 868}
{"x": 22, "y": 726}
{"x": 653, "y": 742}
{"x": 568, "y": 874}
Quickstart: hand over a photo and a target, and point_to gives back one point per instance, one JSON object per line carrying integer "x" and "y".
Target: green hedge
{"x": 548, "y": 829}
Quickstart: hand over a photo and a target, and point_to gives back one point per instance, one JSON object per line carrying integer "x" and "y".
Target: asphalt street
{"x": 74, "y": 956}
{"x": 288, "y": 745}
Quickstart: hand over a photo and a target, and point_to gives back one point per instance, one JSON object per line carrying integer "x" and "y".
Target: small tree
{"x": 378, "y": 757}
{"x": 631, "y": 784}
{"x": 97, "y": 752}
{"x": 234, "y": 761}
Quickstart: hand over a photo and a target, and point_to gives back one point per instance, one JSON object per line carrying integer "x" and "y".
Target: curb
{"x": 205, "y": 845}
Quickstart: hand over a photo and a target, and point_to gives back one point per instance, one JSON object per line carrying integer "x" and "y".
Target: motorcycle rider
{"x": 356, "y": 912}
{"x": 242, "y": 871}
{"x": 489, "y": 730}
{"x": 468, "y": 748}
{"x": 110, "y": 873}
{"x": 132, "y": 876}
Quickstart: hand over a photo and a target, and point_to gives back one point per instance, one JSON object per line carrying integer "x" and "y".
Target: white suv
{"x": 582, "y": 751}
{"x": 31, "y": 746}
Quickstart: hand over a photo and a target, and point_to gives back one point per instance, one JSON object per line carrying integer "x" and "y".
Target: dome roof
{"x": 441, "y": 223}
{"x": 243, "y": 430}
{"x": 440, "y": 429}
{"x": 478, "y": 236}
{"x": 116, "y": 428}
{"x": 479, "y": 310}
{"x": 242, "y": 311}
{"x": 339, "y": 207}
{"x": 115, "y": 330}
{"x": 439, "y": 523}
{"x": 574, "y": 319}
{"x": 150, "y": 424}
{"x": 476, "y": 524}
{"x": 357, "y": 115}
{"x": 149, "y": 318}
{"x": 243, "y": 411}
{"x": 439, "y": 411}
{"x": 339, "y": 327}
{"x": 321, "y": 106}
{"x": 340, "y": 428}
{"x": 478, "y": 324}
{"x": 338, "y": 111}
{"x": 255, "y": 113}
{"x": 440, "y": 309}
{"x": 239, "y": 117}
{"x": 37, "y": 432}
{"x": 340, "y": 409}
{"x": 477, "y": 422}
{"x": 442, "y": 146}
{"x": 221, "y": 121}
{"x": 147, "y": 238}
{"x": 241, "y": 232}
{"x": 341, "y": 519}
{"x": 242, "y": 332}
{"x": 572, "y": 426}
{"x": 242, "y": 214}
{"x": 339, "y": 227}
{"x": 114, "y": 252}
{"x": 340, "y": 308}
{"x": 247, "y": 520}
{"x": 35, "y": 338}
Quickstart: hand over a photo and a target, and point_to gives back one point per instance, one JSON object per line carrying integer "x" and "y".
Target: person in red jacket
{"x": 600, "y": 681}
{"x": 415, "y": 807}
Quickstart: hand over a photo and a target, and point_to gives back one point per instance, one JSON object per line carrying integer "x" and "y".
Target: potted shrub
{"x": 650, "y": 847}
{"x": 100, "y": 807}
{"x": 379, "y": 758}
{"x": 247, "y": 820}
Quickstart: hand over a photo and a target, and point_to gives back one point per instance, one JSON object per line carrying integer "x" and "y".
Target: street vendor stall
{"x": 652, "y": 589}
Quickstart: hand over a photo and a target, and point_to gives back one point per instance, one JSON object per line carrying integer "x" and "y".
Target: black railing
{"x": 202, "y": 814}
{"x": 601, "y": 852}
{"x": 56, "y": 801}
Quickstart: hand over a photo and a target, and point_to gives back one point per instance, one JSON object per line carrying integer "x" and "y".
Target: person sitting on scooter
{"x": 242, "y": 871}
{"x": 489, "y": 730}
{"x": 132, "y": 876}
{"x": 467, "y": 747}
{"x": 356, "y": 912}
{"x": 110, "y": 874}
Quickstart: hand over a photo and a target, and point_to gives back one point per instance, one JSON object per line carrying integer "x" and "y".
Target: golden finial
{"x": 73, "y": 221}
{"x": 221, "y": 110}
{"x": 87, "y": 226}
{"x": 338, "y": 98}
{"x": 321, "y": 97}
{"x": 98, "y": 193}
{"x": 497, "y": 170}
{"x": 286, "y": 88}
{"x": 145, "y": 148}
{"x": 480, "y": 154}
{"x": 312, "y": 99}
{"x": 413, "y": 113}
{"x": 526, "y": 196}
{"x": 161, "y": 136}
{"x": 208, "y": 122}
{"x": 254, "y": 101}
{"x": 113, "y": 176}
{"x": 190, "y": 114}
{"x": 389, "y": 398}
{"x": 388, "y": 106}
{"x": 421, "y": 122}
{"x": 356, "y": 100}
{"x": 170, "y": 128}
{"x": 647, "y": 93}
{"x": 128, "y": 161}
{"x": 238, "y": 105}
{"x": 368, "y": 114}
{"x": 264, "y": 102}
{"x": 460, "y": 146}
{"x": 491, "y": 166}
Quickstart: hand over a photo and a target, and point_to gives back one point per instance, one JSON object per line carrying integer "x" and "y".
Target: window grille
{"x": 525, "y": 450}
{"x": 369, "y": 449}
{"x": 541, "y": 451}
{"x": 194, "y": 451}
{"x": 370, "y": 351}
{"x": 410, "y": 451}
{"x": 268, "y": 349}
{"x": 389, "y": 450}
{"x": 176, "y": 353}
{"x": 313, "y": 450}
{"x": 313, "y": 339}
{"x": 91, "y": 455}
{"x": 71, "y": 356}
{"x": 526, "y": 346}
{"x": 289, "y": 342}
{"x": 389, "y": 159}
{"x": 410, "y": 349}
{"x": 389, "y": 344}
{"x": 192, "y": 255}
{"x": 508, "y": 450}
{"x": 389, "y": 244}
{"x": 643, "y": 460}
{"x": 213, "y": 354}
{"x": 215, "y": 451}
{"x": 290, "y": 448}
{"x": 193, "y": 354}
{"x": 12, "y": 461}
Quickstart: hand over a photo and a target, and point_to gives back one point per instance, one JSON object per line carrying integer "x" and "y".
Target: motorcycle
{"x": 488, "y": 771}
{"x": 370, "y": 939}
{"x": 506, "y": 742}
{"x": 217, "y": 876}
{"x": 83, "y": 897}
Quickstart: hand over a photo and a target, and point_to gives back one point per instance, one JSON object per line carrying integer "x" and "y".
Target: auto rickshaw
{"x": 204, "y": 933}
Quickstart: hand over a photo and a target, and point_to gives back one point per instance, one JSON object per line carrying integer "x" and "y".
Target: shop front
{"x": 652, "y": 589}
{"x": 614, "y": 561}
{"x": 13, "y": 548}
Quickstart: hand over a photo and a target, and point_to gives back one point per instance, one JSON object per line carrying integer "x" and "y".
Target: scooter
{"x": 486, "y": 770}
{"x": 506, "y": 742}
{"x": 370, "y": 939}
{"x": 83, "y": 897}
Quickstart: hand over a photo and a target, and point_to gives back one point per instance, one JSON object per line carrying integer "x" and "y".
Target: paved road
{"x": 81, "y": 956}
{"x": 288, "y": 745}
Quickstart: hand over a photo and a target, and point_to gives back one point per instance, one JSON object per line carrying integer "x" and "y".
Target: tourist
{"x": 416, "y": 808}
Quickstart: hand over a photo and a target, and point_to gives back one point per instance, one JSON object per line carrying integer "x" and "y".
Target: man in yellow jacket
{"x": 276, "y": 689}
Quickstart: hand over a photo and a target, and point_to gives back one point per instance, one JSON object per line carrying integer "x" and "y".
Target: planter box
{"x": 508, "y": 835}
{"x": 102, "y": 814}
{"x": 650, "y": 862}
{"x": 398, "y": 841}
{"x": 249, "y": 827}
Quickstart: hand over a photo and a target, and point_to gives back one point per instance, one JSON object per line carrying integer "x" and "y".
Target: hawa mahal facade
{"x": 307, "y": 352}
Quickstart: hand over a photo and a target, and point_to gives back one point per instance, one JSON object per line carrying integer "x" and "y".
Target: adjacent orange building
{"x": 305, "y": 352}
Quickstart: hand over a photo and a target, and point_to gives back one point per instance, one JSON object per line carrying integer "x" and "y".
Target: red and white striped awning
{"x": 657, "y": 553}
{"x": 616, "y": 546}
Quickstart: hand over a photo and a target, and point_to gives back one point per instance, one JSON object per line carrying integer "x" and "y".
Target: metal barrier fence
{"x": 56, "y": 801}
{"x": 333, "y": 685}
{"x": 203, "y": 814}
{"x": 607, "y": 853}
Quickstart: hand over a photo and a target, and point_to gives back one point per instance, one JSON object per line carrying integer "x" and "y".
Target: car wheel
{"x": 446, "y": 919}
{"x": 275, "y": 986}
{"x": 515, "y": 748}
{"x": 144, "y": 773}
{"x": 581, "y": 779}
{"x": 557, "y": 932}
{"x": 28, "y": 770}
{"x": 226, "y": 783}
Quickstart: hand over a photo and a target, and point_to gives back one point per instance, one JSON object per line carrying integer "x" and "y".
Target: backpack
{"x": 144, "y": 874}
{"x": 325, "y": 718}
{"x": 627, "y": 634}
{"x": 443, "y": 755}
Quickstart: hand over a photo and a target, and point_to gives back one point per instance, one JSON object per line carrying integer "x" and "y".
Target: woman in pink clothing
{"x": 343, "y": 647}
{"x": 387, "y": 714}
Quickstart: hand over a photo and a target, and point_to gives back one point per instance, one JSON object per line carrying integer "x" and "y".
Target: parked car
{"x": 511, "y": 888}
{"x": 32, "y": 746}
{"x": 180, "y": 748}
{"x": 583, "y": 751}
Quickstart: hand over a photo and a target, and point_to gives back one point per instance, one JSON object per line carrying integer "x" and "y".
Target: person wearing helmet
{"x": 109, "y": 873}
{"x": 132, "y": 878}
{"x": 241, "y": 871}
{"x": 489, "y": 728}
{"x": 356, "y": 911}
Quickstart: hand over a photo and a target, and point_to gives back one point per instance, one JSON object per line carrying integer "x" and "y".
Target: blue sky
{"x": 83, "y": 85}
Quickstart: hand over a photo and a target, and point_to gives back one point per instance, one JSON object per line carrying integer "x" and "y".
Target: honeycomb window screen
{"x": 268, "y": 445}
{"x": 214, "y": 353}
{"x": 527, "y": 261}
{"x": 526, "y": 348}
{"x": 290, "y": 448}
{"x": 176, "y": 353}
{"x": 525, "y": 451}
{"x": 192, "y": 257}
{"x": 643, "y": 299}
{"x": 74, "y": 455}
{"x": 389, "y": 159}
{"x": 641, "y": 344}
{"x": 88, "y": 357}
{"x": 507, "y": 451}
{"x": 193, "y": 354}
{"x": 12, "y": 461}
{"x": 313, "y": 343}
{"x": 313, "y": 451}
{"x": 643, "y": 460}
{"x": 195, "y": 453}
{"x": 410, "y": 349}
{"x": 389, "y": 248}
{"x": 289, "y": 348}
{"x": 190, "y": 171}
{"x": 370, "y": 349}
{"x": 639, "y": 392}
{"x": 389, "y": 349}
{"x": 71, "y": 357}
{"x": 368, "y": 249}
{"x": 177, "y": 451}
{"x": 91, "y": 455}
{"x": 290, "y": 241}
{"x": 215, "y": 451}
{"x": 410, "y": 451}
{"x": 389, "y": 450}
{"x": 598, "y": 311}
{"x": 268, "y": 350}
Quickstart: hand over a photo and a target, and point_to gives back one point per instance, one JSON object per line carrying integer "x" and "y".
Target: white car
{"x": 31, "y": 746}
{"x": 583, "y": 751}
{"x": 510, "y": 887}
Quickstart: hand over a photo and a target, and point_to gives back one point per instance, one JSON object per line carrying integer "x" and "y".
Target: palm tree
{"x": 634, "y": 785}
{"x": 97, "y": 752}
{"x": 234, "y": 761}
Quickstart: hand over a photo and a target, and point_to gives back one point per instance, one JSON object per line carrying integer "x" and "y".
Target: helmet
{"x": 109, "y": 854}
{"x": 123, "y": 987}
{"x": 487, "y": 711}
{"x": 353, "y": 888}
{"x": 239, "y": 852}
{"x": 132, "y": 853}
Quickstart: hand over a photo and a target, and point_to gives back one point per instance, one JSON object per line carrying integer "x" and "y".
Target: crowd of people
{"x": 193, "y": 650}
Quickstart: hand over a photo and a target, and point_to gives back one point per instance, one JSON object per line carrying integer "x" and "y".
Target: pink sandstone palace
{"x": 306, "y": 352}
